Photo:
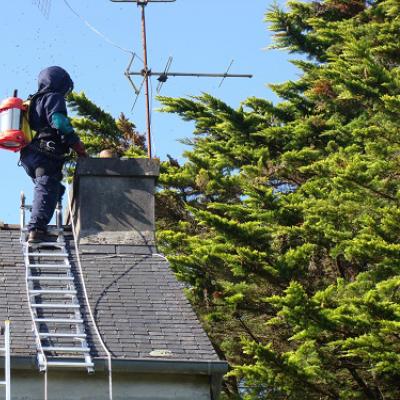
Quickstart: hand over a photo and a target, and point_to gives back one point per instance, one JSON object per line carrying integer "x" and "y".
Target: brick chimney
{"x": 113, "y": 201}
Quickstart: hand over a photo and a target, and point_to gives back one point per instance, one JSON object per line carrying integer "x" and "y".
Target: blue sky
{"x": 200, "y": 35}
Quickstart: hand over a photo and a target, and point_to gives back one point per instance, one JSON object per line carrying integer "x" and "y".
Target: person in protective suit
{"x": 44, "y": 157}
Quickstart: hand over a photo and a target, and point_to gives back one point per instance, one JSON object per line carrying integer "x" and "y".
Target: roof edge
{"x": 8, "y": 227}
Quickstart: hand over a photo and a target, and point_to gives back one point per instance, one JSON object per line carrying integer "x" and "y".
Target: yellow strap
{"x": 29, "y": 134}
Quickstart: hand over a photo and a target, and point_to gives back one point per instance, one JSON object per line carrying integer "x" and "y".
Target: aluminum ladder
{"x": 56, "y": 313}
{"x": 7, "y": 356}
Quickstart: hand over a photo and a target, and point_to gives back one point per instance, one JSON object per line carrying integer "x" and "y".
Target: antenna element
{"x": 162, "y": 76}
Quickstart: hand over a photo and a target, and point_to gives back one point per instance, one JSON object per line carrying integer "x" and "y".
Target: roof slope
{"x": 138, "y": 304}
{"x": 13, "y": 303}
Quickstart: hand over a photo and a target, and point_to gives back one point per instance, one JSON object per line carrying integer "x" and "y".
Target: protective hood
{"x": 55, "y": 79}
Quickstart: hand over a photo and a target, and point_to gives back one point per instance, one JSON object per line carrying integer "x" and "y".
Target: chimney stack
{"x": 113, "y": 201}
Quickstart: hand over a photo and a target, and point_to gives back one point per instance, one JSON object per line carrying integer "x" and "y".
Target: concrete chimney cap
{"x": 118, "y": 167}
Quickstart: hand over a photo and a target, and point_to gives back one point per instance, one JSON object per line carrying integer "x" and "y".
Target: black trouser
{"x": 46, "y": 174}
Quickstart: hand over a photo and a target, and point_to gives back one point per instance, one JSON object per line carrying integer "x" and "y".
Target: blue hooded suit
{"x": 43, "y": 158}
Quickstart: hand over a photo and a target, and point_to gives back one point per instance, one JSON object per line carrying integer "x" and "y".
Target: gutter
{"x": 171, "y": 366}
{"x": 214, "y": 369}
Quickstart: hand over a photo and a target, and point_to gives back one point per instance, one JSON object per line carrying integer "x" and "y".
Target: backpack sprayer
{"x": 15, "y": 132}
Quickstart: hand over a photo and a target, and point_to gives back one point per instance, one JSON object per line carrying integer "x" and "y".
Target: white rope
{"x": 87, "y": 299}
{"x": 160, "y": 255}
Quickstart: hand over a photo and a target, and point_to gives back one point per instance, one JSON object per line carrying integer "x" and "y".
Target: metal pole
{"x": 22, "y": 217}
{"x": 22, "y": 208}
{"x": 59, "y": 221}
{"x": 146, "y": 78}
{"x": 7, "y": 360}
{"x": 45, "y": 389}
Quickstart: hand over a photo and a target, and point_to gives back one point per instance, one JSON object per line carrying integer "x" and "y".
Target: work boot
{"x": 36, "y": 236}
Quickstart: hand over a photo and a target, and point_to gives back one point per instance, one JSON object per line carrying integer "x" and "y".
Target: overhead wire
{"x": 97, "y": 32}
{"x": 112, "y": 43}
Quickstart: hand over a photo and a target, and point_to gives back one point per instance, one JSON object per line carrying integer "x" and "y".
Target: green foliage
{"x": 284, "y": 220}
{"x": 99, "y": 130}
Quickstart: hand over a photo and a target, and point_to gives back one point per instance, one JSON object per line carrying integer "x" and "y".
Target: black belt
{"x": 48, "y": 148}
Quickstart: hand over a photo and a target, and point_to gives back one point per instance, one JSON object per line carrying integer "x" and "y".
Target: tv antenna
{"x": 162, "y": 76}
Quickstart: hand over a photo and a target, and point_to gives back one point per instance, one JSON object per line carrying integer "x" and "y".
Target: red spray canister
{"x": 11, "y": 135}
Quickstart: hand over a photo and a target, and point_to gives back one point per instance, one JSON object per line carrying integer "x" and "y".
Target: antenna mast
{"x": 143, "y": 4}
{"x": 162, "y": 76}
{"x": 145, "y": 72}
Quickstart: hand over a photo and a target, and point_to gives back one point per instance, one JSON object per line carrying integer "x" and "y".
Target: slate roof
{"x": 138, "y": 304}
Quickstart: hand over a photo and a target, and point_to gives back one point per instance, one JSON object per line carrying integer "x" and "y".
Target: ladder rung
{"x": 51, "y": 230}
{"x": 65, "y": 354}
{"x": 47, "y": 254}
{"x": 54, "y": 305}
{"x": 70, "y": 364}
{"x": 63, "y": 335}
{"x": 49, "y": 266}
{"x": 46, "y": 244}
{"x": 60, "y": 320}
{"x": 49, "y": 291}
{"x": 3, "y": 383}
{"x": 50, "y": 278}
{"x": 66, "y": 349}
{"x": 54, "y": 229}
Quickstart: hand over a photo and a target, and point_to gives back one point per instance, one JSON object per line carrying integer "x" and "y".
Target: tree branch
{"x": 365, "y": 388}
{"x": 247, "y": 329}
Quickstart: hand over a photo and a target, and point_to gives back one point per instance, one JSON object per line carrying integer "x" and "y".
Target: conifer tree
{"x": 285, "y": 218}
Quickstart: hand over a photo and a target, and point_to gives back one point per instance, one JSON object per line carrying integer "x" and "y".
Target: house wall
{"x": 29, "y": 385}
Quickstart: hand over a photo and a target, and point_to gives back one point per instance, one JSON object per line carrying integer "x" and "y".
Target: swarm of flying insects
{"x": 44, "y": 6}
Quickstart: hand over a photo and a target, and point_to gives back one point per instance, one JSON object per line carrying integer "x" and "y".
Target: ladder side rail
{"x": 80, "y": 327}
{"x": 22, "y": 217}
{"x": 59, "y": 223}
{"x": 59, "y": 216}
{"x": 7, "y": 364}
{"x": 7, "y": 361}
{"x": 29, "y": 286}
